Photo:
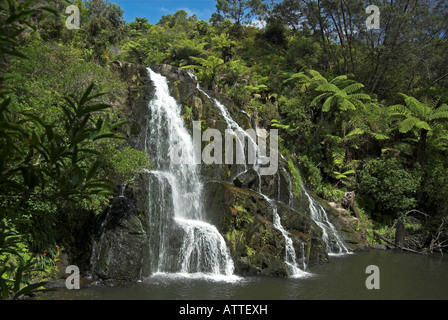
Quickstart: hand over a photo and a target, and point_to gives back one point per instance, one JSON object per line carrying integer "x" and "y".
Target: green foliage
{"x": 102, "y": 29}
{"x": 313, "y": 72}
{"x": 296, "y": 178}
{"x": 53, "y": 128}
{"x": 207, "y": 69}
{"x": 418, "y": 115}
{"x": 124, "y": 164}
{"x": 389, "y": 186}
{"x": 312, "y": 174}
{"x": 242, "y": 217}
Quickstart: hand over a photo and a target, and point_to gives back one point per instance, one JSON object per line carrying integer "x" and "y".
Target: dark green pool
{"x": 402, "y": 276}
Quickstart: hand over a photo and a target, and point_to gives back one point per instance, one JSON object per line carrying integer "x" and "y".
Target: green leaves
{"x": 19, "y": 286}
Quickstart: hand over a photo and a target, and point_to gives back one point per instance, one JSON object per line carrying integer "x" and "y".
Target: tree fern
{"x": 422, "y": 117}
{"x": 416, "y": 107}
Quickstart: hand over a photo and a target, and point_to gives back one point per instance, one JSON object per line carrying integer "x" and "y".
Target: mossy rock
{"x": 245, "y": 218}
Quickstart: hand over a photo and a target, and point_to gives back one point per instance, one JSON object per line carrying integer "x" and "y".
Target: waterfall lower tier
{"x": 294, "y": 270}
{"x": 203, "y": 249}
{"x": 335, "y": 245}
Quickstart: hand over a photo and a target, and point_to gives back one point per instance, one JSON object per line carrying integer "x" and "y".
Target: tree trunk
{"x": 421, "y": 156}
{"x": 399, "y": 234}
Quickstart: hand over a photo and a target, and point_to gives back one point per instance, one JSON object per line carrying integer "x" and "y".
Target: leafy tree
{"x": 239, "y": 11}
{"x": 104, "y": 28}
{"x": 48, "y": 159}
{"x": 387, "y": 188}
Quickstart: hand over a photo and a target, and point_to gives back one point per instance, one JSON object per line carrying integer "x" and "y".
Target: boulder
{"x": 249, "y": 179}
{"x": 120, "y": 250}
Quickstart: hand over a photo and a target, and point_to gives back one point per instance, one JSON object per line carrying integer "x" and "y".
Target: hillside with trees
{"x": 358, "y": 110}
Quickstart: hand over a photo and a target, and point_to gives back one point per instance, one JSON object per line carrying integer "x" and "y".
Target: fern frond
{"x": 408, "y": 124}
{"x": 339, "y": 78}
{"x": 398, "y": 110}
{"x": 327, "y": 104}
{"x": 346, "y": 105}
{"x": 423, "y": 125}
{"x": 360, "y": 96}
{"x": 354, "y": 133}
{"x": 353, "y": 87}
{"x": 315, "y": 73}
{"x": 379, "y": 136}
{"x": 417, "y": 108}
{"x": 439, "y": 115}
{"x": 298, "y": 76}
{"x": 328, "y": 87}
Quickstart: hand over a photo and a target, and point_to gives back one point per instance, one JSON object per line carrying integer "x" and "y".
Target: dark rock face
{"x": 249, "y": 179}
{"x": 140, "y": 92}
{"x": 120, "y": 251}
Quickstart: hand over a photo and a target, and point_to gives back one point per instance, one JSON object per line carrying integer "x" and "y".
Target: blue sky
{"x": 153, "y": 10}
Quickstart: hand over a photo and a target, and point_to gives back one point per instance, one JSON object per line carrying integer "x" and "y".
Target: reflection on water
{"x": 402, "y": 276}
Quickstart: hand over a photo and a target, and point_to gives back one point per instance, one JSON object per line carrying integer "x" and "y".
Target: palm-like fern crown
{"x": 418, "y": 114}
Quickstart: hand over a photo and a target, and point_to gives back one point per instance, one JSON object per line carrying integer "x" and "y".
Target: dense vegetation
{"x": 359, "y": 110}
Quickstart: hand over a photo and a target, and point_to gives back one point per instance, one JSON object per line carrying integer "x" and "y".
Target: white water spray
{"x": 186, "y": 244}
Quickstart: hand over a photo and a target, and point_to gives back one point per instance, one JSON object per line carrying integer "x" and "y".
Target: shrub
{"x": 388, "y": 186}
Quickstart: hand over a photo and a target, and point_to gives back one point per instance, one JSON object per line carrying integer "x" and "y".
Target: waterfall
{"x": 232, "y": 126}
{"x": 291, "y": 194}
{"x": 291, "y": 258}
{"x": 335, "y": 245}
{"x": 235, "y": 130}
{"x": 181, "y": 240}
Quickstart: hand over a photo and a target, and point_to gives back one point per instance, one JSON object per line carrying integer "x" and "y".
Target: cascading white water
{"x": 335, "y": 245}
{"x": 181, "y": 241}
{"x": 291, "y": 194}
{"x": 291, "y": 258}
{"x": 235, "y": 128}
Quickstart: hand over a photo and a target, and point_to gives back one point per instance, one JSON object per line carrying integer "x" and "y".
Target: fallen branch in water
{"x": 393, "y": 244}
{"x": 441, "y": 245}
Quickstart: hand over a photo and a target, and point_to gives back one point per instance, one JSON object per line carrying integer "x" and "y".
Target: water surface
{"x": 403, "y": 276}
